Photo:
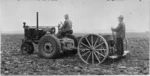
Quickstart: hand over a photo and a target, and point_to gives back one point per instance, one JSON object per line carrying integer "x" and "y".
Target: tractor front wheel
{"x": 49, "y": 47}
{"x": 27, "y": 48}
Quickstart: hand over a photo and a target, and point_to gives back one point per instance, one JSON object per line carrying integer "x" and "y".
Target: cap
{"x": 66, "y": 15}
{"x": 120, "y": 17}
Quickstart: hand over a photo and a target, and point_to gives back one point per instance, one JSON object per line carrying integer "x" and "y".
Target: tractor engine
{"x": 67, "y": 44}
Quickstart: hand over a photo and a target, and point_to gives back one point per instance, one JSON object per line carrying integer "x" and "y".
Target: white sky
{"x": 90, "y": 16}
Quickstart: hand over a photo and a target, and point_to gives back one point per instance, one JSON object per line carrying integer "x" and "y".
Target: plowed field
{"x": 14, "y": 63}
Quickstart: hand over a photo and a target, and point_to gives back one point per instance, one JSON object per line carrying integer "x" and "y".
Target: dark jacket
{"x": 120, "y": 30}
{"x": 67, "y": 25}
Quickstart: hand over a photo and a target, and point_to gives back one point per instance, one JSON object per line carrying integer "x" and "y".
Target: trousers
{"x": 119, "y": 46}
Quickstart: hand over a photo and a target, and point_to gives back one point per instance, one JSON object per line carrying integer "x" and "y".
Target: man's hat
{"x": 120, "y": 17}
{"x": 66, "y": 16}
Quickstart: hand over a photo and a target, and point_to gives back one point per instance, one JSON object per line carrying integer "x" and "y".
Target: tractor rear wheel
{"x": 49, "y": 47}
{"x": 27, "y": 48}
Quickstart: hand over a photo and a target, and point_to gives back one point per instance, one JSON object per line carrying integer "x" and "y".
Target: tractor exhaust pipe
{"x": 37, "y": 20}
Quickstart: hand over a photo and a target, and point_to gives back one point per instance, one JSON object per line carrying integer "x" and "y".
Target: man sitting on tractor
{"x": 66, "y": 27}
{"x": 120, "y": 35}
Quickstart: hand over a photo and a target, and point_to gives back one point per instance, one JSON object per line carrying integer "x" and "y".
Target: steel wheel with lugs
{"x": 93, "y": 49}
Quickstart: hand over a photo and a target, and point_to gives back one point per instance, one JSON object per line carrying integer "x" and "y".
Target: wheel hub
{"x": 92, "y": 48}
{"x": 48, "y": 48}
{"x": 24, "y": 48}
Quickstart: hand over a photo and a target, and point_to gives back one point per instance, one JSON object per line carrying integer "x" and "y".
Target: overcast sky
{"x": 91, "y": 16}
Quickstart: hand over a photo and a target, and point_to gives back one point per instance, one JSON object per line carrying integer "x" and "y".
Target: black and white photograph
{"x": 74, "y": 37}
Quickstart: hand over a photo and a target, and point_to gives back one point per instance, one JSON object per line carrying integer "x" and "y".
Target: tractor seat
{"x": 64, "y": 33}
{"x": 69, "y": 31}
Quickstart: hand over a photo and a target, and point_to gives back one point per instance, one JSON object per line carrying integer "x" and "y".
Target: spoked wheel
{"x": 93, "y": 49}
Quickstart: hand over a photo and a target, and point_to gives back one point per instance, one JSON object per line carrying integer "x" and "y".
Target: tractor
{"x": 91, "y": 48}
{"x": 49, "y": 45}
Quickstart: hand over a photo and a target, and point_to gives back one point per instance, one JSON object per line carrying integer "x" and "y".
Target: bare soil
{"x": 14, "y": 63}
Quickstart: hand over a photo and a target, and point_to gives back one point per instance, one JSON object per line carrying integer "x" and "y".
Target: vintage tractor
{"x": 91, "y": 48}
{"x": 49, "y": 45}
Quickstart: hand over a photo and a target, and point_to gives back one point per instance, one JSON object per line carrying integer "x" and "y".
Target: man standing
{"x": 66, "y": 27}
{"x": 120, "y": 35}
